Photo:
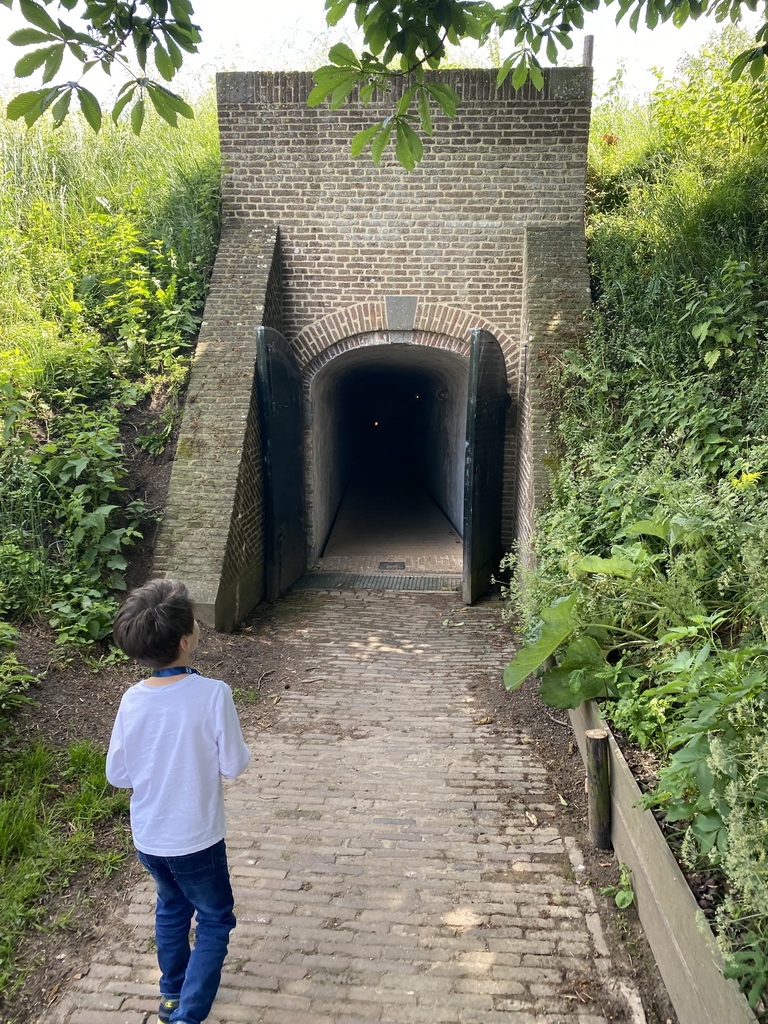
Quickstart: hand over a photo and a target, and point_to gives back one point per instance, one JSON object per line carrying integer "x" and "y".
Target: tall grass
{"x": 106, "y": 246}
{"x": 51, "y": 803}
{"x": 55, "y": 181}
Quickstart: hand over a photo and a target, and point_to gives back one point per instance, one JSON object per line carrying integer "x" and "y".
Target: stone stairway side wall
{"x": 212, "y": 533}
{"x": 555, "y": 299}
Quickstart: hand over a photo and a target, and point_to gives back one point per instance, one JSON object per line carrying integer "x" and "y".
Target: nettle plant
{"x": 669, "y": 632}
{"x": 590, "y": 624}
{"x": 565, "y": 628}
{"x": 71, "y": 539}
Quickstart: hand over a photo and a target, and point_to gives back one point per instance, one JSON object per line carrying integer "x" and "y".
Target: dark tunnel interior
{"x": 389, "y": 427}
{"x": 384, "y": 424}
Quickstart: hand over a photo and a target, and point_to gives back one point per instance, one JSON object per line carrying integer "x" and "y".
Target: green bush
{"x": 106, "y": 247}
{"x": 651, "y": 583}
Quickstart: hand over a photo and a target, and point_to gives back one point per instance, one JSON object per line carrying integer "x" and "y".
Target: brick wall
{"x": 451, "y": 231}
{"x": 501, "y": 188}
{"x": 211, "y": 535}
{"x": 555, "y": 295}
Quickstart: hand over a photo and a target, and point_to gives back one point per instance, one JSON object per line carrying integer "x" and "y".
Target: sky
{"x": 295, "y": 30}
{"x": 292, "y": 34}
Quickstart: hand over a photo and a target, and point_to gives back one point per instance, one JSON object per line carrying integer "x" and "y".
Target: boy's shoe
{"x": 167, "y": 1006}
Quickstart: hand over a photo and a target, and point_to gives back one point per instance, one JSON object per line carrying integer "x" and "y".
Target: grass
{"x": 55, "y": 807}
{"x": 65, "y": 189}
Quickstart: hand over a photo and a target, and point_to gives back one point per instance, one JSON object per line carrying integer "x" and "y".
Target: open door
{"x": 279, "y": 394}
{"x": 486, "y": 415}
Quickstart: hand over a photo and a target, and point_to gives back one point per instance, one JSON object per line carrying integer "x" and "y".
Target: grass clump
{"x": 54, "y": 805}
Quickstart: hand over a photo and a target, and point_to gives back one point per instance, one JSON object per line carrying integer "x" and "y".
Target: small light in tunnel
{"x": 418, "y": 396}
{"x": 375, "y": 423}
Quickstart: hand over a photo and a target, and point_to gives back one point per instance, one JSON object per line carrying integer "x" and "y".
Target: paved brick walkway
{"x": 394, "y": 860}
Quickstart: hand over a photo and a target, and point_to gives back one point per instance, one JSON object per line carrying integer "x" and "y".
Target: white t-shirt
{"x": 171, "y": 745}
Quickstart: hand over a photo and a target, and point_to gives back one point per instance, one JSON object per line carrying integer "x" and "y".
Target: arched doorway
{"x": 411, "y": 434}
{"x": 404, "y": 449}
{"x": 385, "y": 445}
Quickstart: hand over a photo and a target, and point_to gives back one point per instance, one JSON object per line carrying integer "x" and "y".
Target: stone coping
{"x": 683, "y": 946}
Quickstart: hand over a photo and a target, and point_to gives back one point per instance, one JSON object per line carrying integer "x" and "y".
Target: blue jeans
{"x": 198, "y": 882}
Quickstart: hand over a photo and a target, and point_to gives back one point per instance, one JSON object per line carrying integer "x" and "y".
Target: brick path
{"x": 391, "y": 520}
{"x": 394, "y": 861}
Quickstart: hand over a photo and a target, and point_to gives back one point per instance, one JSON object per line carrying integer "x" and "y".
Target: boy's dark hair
{"x": 152, "y": 620}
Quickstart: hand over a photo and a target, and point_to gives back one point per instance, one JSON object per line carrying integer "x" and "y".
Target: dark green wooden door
{"x": 280, "y": 409}
{"x": 486, "y": 416}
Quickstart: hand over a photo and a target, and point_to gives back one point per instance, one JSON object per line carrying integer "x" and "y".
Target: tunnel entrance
{"x": 388, "y": 450}
{"x": 404, "y": 452}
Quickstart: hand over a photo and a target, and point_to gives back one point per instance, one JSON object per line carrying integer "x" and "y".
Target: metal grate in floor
{"x": 376, "y": 581}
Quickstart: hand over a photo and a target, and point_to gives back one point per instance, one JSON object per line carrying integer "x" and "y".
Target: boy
{"x": 176, "y": 734}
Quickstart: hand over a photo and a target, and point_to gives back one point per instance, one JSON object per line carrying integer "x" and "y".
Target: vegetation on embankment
{"x": 652, "y": 579}
{"x": 106, "y": 247}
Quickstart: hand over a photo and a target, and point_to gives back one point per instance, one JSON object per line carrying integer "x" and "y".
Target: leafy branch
{"x": 401, "y": 39}
{"x": 162, "y": 28}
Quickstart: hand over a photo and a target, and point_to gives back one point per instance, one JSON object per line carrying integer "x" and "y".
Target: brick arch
{"x": 356, "y": 327}
{"x": 365, "y": 323}
{"x": 372, "y": 339}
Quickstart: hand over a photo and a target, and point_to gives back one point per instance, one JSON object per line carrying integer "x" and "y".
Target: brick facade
{"x": 211, "y": 536}
{"x": 486, "y": 232}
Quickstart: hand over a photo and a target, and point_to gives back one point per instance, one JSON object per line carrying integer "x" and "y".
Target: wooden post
{"x": 598, "y": 789}
{"x": 589, "y": 43}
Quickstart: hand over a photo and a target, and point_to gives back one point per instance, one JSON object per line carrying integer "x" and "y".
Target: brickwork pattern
{"x": 242, "y": 575}
{"x": 451, "y": 236}
{"x": 355, "y": 341}
{"x": 556, "y": 296}
{"x": 211, "y": 535}
{"x": 395, "y": 861}
{"x": 450, "y": 232}
{"x": 435, "y": 324}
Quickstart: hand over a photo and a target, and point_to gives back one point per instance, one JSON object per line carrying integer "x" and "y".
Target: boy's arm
{"x": 233, "y": 753}
{"x": 117, "y": 773}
